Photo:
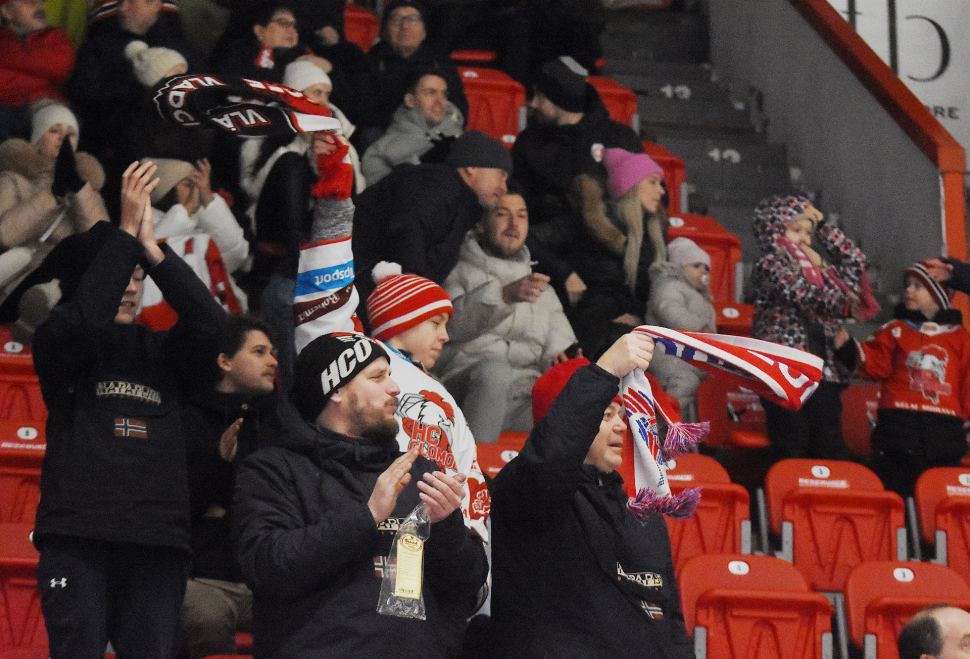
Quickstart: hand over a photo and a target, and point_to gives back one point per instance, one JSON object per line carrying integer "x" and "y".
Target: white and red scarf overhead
{"x": 786, "y": 375}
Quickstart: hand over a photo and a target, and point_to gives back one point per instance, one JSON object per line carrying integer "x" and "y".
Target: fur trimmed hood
{"x": 22, "y": 157}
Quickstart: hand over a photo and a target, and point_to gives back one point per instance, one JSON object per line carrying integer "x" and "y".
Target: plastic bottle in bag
{"x": 401, "y": 586}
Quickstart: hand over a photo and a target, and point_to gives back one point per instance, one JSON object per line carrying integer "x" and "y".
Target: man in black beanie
{"x": 569, "y": 130}
{"x": 418, "y": 215}
{"x": 316, "y": 517}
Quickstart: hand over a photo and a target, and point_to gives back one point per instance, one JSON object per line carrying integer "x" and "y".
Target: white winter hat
{"x": 684, "y": 251}
{"x": 48, "y": 115}
{"x": 151, "y": 64}
{"x": 300, "y": 75}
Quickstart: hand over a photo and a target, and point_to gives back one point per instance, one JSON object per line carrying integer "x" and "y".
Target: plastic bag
{"x": 401, "y": 586}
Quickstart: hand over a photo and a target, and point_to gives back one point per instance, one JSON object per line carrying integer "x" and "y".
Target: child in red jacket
{"x": 923, "y": 360}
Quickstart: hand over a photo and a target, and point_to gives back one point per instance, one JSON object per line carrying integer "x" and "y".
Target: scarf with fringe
{"x": 786, "y": 375}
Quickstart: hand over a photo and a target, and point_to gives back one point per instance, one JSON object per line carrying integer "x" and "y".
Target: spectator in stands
{"x": 47, "y": 191}
{"x": 680, "y": 299}
{"x": 939, "y": 631}
{"x": 225, "y": 421}
{"x": 391, "y": 63}
{"x": 316, "y": 516}
{"x": 508, "y": 325}
{"x": 408, "y": 312}
{"x": 575, "y": 572}
{"x": 316, "y": 85}
{"x": 568, "y": 131}
{"x": 922, "y": 359}
{"x": 422, "y": 130}
{"x": 418, "y": 215}
{"x": 621, "y": 234}
{"x": 104, "y": 81}
{"x": 35, "y": 60}
{"x": 112, "y": 525}
{"x": 801, "y": 297}
{"x": 263, "y": 51}
{"x": 183, "y": 204}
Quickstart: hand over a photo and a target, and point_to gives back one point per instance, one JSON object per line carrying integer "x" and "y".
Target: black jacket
{"x": 546, "y": 158}
{"x": 311, "y": 551}
{"x": 212, "y": 480}
{"x": 574, "y": 572}
{"x": 114, "y": 468}
{"x": 417, "y": 216}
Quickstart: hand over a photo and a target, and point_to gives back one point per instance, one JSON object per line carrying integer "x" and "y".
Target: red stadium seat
{"x": 833, "y": 515}
{"x": 619, "y": 101}
{"x": 22, "y": 447}
{"x": 472, "y": 57}
{"x": 722, "y": 246}
{"x": 21, "y": 621}
{"x": 361, "y": 26}
{"x": 859, "y": 405}
{"x": 881, "y": 596}
{"x": 721, "y": 523}
{"x": 942, "y": 499}
{"x": 492, "y": 457}
{"x": 735, "y": 414}
{"x": 675, "y": 175}
{"x": 496, "y": 103}
{"x": 740, "y": 606}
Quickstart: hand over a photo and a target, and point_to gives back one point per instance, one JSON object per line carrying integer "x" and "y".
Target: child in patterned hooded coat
{"x": 801, "y": 296}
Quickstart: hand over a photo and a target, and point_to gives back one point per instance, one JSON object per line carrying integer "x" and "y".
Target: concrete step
{"x": 625, "y": 65}
{"x": 672, "y": 87}
{"x": 725, "y": 149}
{"x": 656, "y": 113}
{"x": 711, "y": 175}
{"x": 656, "y": 36}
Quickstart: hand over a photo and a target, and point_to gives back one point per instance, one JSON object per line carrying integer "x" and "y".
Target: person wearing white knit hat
{"x": 680, "y": 298}
{"x": 154, "y": 64}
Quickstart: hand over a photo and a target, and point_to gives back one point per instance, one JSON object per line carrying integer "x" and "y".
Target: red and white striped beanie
{"x": 401, "y": 302}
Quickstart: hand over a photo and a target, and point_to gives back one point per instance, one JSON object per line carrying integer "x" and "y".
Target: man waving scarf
{"x": 784, "y": 374}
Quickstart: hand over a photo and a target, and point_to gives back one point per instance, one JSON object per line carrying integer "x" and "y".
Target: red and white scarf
{"x": 786, "y": 375}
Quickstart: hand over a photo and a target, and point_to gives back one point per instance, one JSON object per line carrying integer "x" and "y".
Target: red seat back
{"x": 859, "y": 405}
{"x": 492, "y": 457}
{"x": 731, "y": 410}
{"x": 361, "y": 26}
{"x": 840, "y": 513}
{"x": 715, "y": 527}
{"x": 620, "y": 102}
{"x": 675, "y": 174}
{"x": 753, "y": 607}
{"x": 880, "y": 596}
{"x": 22, "y": 447}
{"x": 21, "y": 621}
{"x": 496, "y": 103}
{"x": 943, "y": 504}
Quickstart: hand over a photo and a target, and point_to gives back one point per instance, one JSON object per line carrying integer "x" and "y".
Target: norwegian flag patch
{"x": 126, "y": 427}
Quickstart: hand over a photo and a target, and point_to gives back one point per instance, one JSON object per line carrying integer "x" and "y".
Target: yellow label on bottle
{"x": 410, "y": 560}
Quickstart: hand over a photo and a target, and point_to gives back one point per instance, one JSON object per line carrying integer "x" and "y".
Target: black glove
{"x": 66, "y": 178}
{"x": 440, "y": 148}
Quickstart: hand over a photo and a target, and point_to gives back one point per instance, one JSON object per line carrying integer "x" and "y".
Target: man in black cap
{"x": 569, "y": 130}
{"x": 418, "y": 215}
{"x": 316, "y": 517}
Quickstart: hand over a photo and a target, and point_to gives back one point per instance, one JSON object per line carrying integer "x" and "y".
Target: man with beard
{"x": 316, "y": 516}
{"x": 569, "y": 131}
{"x": 508, "y": 326}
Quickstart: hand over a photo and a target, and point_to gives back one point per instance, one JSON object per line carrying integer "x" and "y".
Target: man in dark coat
{"x": 315, "y": 518}
{"x": 418, "y": 215}
{"x": 575, "y": 573}
{"x": 112, "y": 525}
{"x": 569, "y": 130}
{"x": 391, "y": 63}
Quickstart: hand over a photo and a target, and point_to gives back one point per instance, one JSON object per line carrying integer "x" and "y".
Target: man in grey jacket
{"x": 422, "y": 129}
{"x": 508, "y": 325}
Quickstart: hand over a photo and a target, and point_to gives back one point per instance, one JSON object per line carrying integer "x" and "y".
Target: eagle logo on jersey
{"x": 927, "y": 372}
{"x": 429, "y": 421}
